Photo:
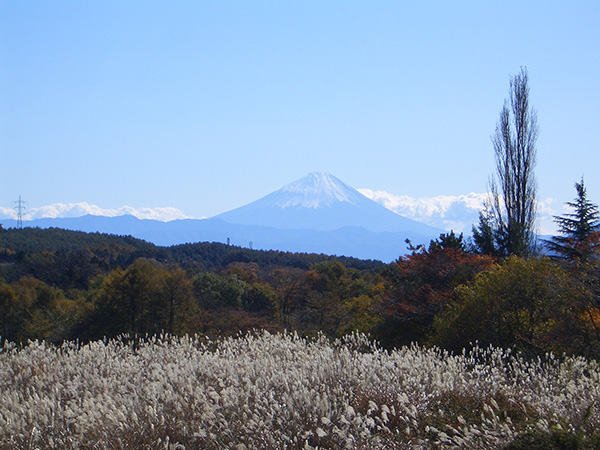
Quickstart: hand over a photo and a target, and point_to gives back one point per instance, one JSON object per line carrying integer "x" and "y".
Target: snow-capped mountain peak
{"x": 316, "y": 190}
{"x": 320, "y": 201}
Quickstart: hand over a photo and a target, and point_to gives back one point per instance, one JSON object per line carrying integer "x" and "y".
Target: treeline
{"x": 122, "y": 250}
{"x": 57, "y": 284}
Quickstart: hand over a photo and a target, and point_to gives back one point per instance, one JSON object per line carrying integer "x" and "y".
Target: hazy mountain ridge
{"x": 347, "y": 241}
{"x": 316, "y": 214}
{"x": 448, "y": 212}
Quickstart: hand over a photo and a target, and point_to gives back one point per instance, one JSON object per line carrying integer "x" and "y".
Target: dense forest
{"x": 60, "y": 285}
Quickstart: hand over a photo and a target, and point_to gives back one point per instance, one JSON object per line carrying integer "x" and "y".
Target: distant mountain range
{"x": 316, "y": 214}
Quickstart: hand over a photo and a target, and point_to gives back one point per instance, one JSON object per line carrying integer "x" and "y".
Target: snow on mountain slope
{"x": 322, "y": 202}
{"x": 316, "y": 190}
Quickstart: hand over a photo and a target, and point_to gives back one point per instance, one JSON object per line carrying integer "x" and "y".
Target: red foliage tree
{"x": 418, "y": 285}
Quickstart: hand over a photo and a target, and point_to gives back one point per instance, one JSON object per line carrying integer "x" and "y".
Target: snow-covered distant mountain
{"x": 63, "y": 210}
{"x": 321, "y": 202}
{"x": 456, "y": 212}
{"x": 449, "y": 212}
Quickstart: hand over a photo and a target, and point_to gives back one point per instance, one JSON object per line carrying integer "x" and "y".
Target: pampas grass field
{"x": 265, "y": 391}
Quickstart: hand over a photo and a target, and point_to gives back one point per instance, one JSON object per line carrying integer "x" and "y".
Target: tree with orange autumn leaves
{"x": 420, "y": 284}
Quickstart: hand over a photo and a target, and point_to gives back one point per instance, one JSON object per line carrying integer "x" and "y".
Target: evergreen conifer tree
{"x": 580, "y": 230}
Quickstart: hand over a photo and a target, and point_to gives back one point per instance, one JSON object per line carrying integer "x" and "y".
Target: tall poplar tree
{"x": 508, "y": 226}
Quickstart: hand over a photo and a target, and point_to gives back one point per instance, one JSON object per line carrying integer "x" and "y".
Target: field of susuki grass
{"x": 266, "y": 391}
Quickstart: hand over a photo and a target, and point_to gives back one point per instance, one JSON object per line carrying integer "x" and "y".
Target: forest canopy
{"x": 61, "y": 285}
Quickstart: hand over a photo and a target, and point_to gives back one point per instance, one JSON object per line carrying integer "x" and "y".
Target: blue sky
{"x": 206, "y": 106}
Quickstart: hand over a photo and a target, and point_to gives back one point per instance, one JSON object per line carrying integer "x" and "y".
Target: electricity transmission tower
{"x": 20, "y": 208}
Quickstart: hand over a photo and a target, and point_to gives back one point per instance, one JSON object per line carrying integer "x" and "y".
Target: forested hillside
{"x": 57, "y": 284}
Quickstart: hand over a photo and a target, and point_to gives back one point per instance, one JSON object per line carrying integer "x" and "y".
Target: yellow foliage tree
{"x": 531, "y": 304}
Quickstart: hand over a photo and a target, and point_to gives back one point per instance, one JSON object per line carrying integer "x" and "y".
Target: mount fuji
{"x": 316, "y": 214}
{"x": 322, "y": 202}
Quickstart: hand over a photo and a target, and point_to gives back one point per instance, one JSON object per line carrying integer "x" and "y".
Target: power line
{"x": 20, "y": 208}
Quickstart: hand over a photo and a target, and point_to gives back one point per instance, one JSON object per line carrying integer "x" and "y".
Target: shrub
{"x": 528, "y": 304}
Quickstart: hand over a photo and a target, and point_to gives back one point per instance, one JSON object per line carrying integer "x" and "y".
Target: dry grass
{"x": 280, "y": 391}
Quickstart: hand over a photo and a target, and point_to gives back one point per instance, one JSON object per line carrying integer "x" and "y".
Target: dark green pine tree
{"x": 486, "y": 236}
{"x": 448, "y": 241}
{"x": 580, "y": 230}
